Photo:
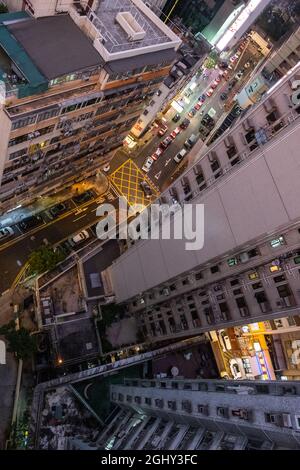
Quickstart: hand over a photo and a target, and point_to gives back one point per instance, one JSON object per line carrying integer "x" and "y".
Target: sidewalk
{"x": 98, "y": 183}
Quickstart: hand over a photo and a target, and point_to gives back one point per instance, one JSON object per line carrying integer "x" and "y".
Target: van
{"x": 190, "y": 142}
{"x": 180, "y": 155}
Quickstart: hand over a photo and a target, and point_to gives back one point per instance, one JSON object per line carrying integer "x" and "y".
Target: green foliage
{"x": 211, "y": 60}
{"x": 19, "y": 341}
{"x": 3, "y": 8}
{"x": 44, "y": 259}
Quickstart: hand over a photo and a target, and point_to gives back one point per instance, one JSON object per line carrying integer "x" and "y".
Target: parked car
{"x": 223, "y": 65}
{"x": 223, "y": 96}
{"x": 176, "y": 118}
{"x": 192, "y": 113}
{"x": 57, "y": 210}
{"x": 30, "y": 222}
{"x": 209, "y": 92}
{"x": 147, "y": 165}
{"x": 198, "y": 105}
{"x": 106, "y": 168}
{"x": 83, "y": 197}
{"x": 202, "y": 98}
{"x": 162, "y": 130}
{"x": 79, "y": 237}
{"x": 146, "y": 188}
{"x": 232, "y": 84}
{"x": 185, "y": 123}
{"x": 5, "y": 233}
{"x": 180, "y": 155}
{"x": 157, "y": 153}
{"x": 239, "y": 75}
{"x": 190, "y": 142}
{"x": 175, "y": 132}
{"x": 166, "y": 142}
{"x": 233, "y": 59}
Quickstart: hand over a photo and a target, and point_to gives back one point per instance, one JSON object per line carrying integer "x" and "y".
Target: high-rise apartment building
{"x": 73, "y": 85}
{"x": 180, "y": 414}
{"x": 248, "y": 269}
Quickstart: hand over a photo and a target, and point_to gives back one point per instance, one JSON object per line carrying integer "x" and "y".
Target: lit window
{"x": 277, "y": 242}
{"x": 232, "y": 261}
{"x": 252, "y": 276}
{"x": 274, "y": 268}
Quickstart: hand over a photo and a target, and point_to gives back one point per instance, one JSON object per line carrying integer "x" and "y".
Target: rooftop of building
{"x": 55, "y": 44}
{"x": 115, "y": 37}
{"x": 16, "y": 67}
{"x": 94, "y": 266}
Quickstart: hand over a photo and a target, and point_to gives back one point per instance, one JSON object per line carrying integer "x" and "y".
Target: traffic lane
{"x": 14, "y": 257}
{"x": 201, "y": 89}
{"x": 162, "y": 168}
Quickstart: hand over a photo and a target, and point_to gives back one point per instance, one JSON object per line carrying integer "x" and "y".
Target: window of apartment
{"x": 215, "y": 165}
{"x": 276, "y": 242}
{"x": 297, "y": 260}
{"x": 274, "y": 268}
{"x": 214, "y": 269}
{"x": 185, "y": 282}
{"x": 47, "y": 114}
{"x": 25, "y": 121}
{"x": 148, "y": 401}
{"x": 198, "y": 276}
{"x": 231, "y": 152}
{"x": 237, "y": 291}
{"x": 203, "y": 409}
{"x": 232, "y": 261}
{"x": 279, "y": 278}
{"x": 18, "y": 154}
{"x": 172, "y": 405}
{"x": 257, "y": 285}
{"x": 234, "y": 282}
{"x": 253, "y": 276}
{"x": 297, "y": 418}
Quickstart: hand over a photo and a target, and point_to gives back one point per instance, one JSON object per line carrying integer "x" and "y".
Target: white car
{"x": 147, "y": 165}
{"x": 80, "y": 237}
{"x": 6, "y": 232}
{"x": 106, "y": 168}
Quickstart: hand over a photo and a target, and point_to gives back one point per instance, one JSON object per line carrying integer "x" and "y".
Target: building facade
{"x": 248, "y": 268}
{"x": 285, "y": 56}
{"x": 64, "y": 109}
{"x": 177, "y": 414}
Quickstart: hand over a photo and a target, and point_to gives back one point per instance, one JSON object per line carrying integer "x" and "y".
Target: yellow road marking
{"x": 127, "y": 178}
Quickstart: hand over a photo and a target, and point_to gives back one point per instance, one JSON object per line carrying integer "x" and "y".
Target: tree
{"x": 211, "y": 60}
{"x": 19, "y": 341}
{"x": 44, "y": 259}
{"x": 3, "y": 8}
